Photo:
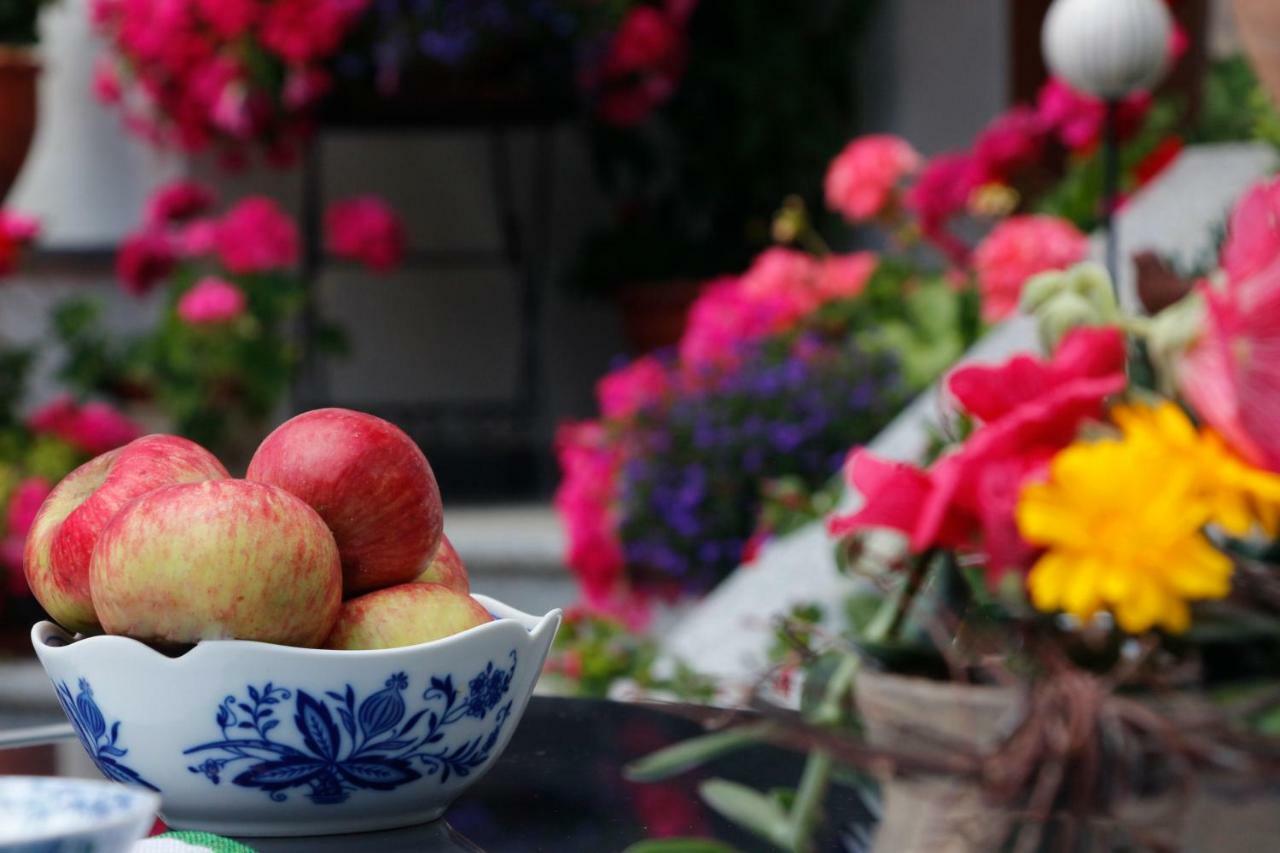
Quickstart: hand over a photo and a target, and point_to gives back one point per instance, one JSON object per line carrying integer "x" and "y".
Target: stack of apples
{"x": 334, "y": 538}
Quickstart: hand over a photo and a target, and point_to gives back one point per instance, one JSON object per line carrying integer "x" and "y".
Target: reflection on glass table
{"x": 559, "y": 787}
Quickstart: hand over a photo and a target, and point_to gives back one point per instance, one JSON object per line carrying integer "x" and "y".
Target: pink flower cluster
{"x": 586, "y": 503}
{"x": 367, "y": 230}
{"x": 24, "y": 503}
{"x": 636, "y": 386}
{"x": 211, "y": 301}
{"x": 91, "y": 428}
{"x": 1017, "y": 249}
{"x": 1027, "y": 410}
{"x": 862, "y": 181}
{"x": 16, "y": 231}
{"x": 220, "y": 72}
{"x": 1231, "y": 376}
{"x": 780, "y": 287}
{"x": 644, "y": 63}
{"x": 254, "y": 236}
{"x": 1012, "y": 147}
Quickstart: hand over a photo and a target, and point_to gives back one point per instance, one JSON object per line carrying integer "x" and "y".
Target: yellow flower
{"x": 1122, "y": 522}
{"x": 1241, "y": 498}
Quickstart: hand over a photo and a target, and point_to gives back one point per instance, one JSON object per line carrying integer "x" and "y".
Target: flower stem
{"x": 808, "y": 803}
{"x": 892, "y": 615}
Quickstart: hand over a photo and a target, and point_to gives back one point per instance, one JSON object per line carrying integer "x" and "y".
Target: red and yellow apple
{"x": 369, "y": 482}
{"x": 447, "y": 569}
{"x": 404, "y": 615}
{"x": 224, "y": 559}
{"x": 63, "y": 535}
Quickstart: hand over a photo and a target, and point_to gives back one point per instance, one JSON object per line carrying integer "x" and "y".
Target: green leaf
{"x": 749, "y": 809}
{"x": 680, "y": 845}
{"x": 684, "y": 756}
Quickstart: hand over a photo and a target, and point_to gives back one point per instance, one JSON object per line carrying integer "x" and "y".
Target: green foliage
{"x": 208, "y": 379}
{"x": 592, "y": 653}
{"x": 680, "y": 845}
{"x": 688, "y": 754}
{"x": 767, "y": 98}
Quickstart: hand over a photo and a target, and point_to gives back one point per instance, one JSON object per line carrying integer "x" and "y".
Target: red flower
{"x": 144, "y": 260}
{"x": 645, "y": 62}
{"x": 178, "y": 202}
{"x": 941, "y": 193}
{"x": 229, "y": 18}
{"x": 16, "y": 231}
{"x": 93, "y": 428}
{"x": 257, "y": 236}
{"x": 24, "y": 503}
{"x": 1161, "y": 157}
{"x": 305, "y": 30}
{"x": 1029, "y": 410}
{"x": 367, "y": 230}
{"x": 1010, "y": 144}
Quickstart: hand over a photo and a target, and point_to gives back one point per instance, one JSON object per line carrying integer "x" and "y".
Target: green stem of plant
{"x": 891, "y": 616}
{"x": 808, "y": 803}
{"x": 812, "y": 241}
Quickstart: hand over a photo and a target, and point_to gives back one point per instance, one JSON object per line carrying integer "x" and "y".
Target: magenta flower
{"x": 144, "y": 260}
{"x": 179, "y": 201}
{"x": 211, "y": 301}
{"x": 365, "y": 229}
{"x": 639, "y": 385}
{"x": 257, "y": 236}
{"x": 92, "y": 428}
{"x": 586, "y": 502}
{"x": 1253, "y": 236}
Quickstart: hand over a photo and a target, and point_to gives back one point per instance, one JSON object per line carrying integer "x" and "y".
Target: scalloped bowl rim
{"x": 145, "y": 806}
{"x": 503, "y": 614}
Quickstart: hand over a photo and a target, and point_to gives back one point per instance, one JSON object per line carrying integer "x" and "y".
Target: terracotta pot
{"x": 654, "y": 313}
{"x": 1258, "y": 22}
{"x": 18, "y": 70}
{"x": 935, "y": 813}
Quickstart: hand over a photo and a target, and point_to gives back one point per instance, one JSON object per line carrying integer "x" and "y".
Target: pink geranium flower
{"x": 862, "y": 181}
{"x": 257, "y": 236}
{"x": 24, "y": 503}
{"x": 230, "y": 18}
{"x": 210, "y": 302}
{"x": 367, "y": 230}
{"x": 178, "y": 202}
{"x": 1028, "y": 410}
{"x": 144, "y": 260}
{"x": 585, "y": 501}
{"x": 845, "y": 276}
{"x": 637, "y": 386}
{"x": 92, "y": 428}
{"x": 1019, "y": 248}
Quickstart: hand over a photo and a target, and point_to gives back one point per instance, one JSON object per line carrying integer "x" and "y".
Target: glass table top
{"x": 559, "y": 787}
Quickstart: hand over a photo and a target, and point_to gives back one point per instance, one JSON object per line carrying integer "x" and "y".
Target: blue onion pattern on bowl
{"x": 253, "y": 739}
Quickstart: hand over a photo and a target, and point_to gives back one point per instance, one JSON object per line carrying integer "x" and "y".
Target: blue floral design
{"x": 349, "y": 746}
{"x": 101, "y": 742}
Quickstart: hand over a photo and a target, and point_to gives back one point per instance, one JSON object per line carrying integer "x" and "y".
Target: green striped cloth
{"x": 185, "y": 842}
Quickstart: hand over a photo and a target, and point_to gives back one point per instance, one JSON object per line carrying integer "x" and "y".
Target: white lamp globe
{"x": 1108, "y": 48}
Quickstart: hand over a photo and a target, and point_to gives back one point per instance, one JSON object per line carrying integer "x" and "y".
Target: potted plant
{"x": 18, "y": 69}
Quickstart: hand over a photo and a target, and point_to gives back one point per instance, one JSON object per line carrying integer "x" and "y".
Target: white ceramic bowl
{"x": 253, "y": 739}
{"x": 40, "y": 815}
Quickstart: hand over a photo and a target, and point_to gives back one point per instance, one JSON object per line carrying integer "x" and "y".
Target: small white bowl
{"x": 43, "y": 815}
{"x": 254, "y": 739}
